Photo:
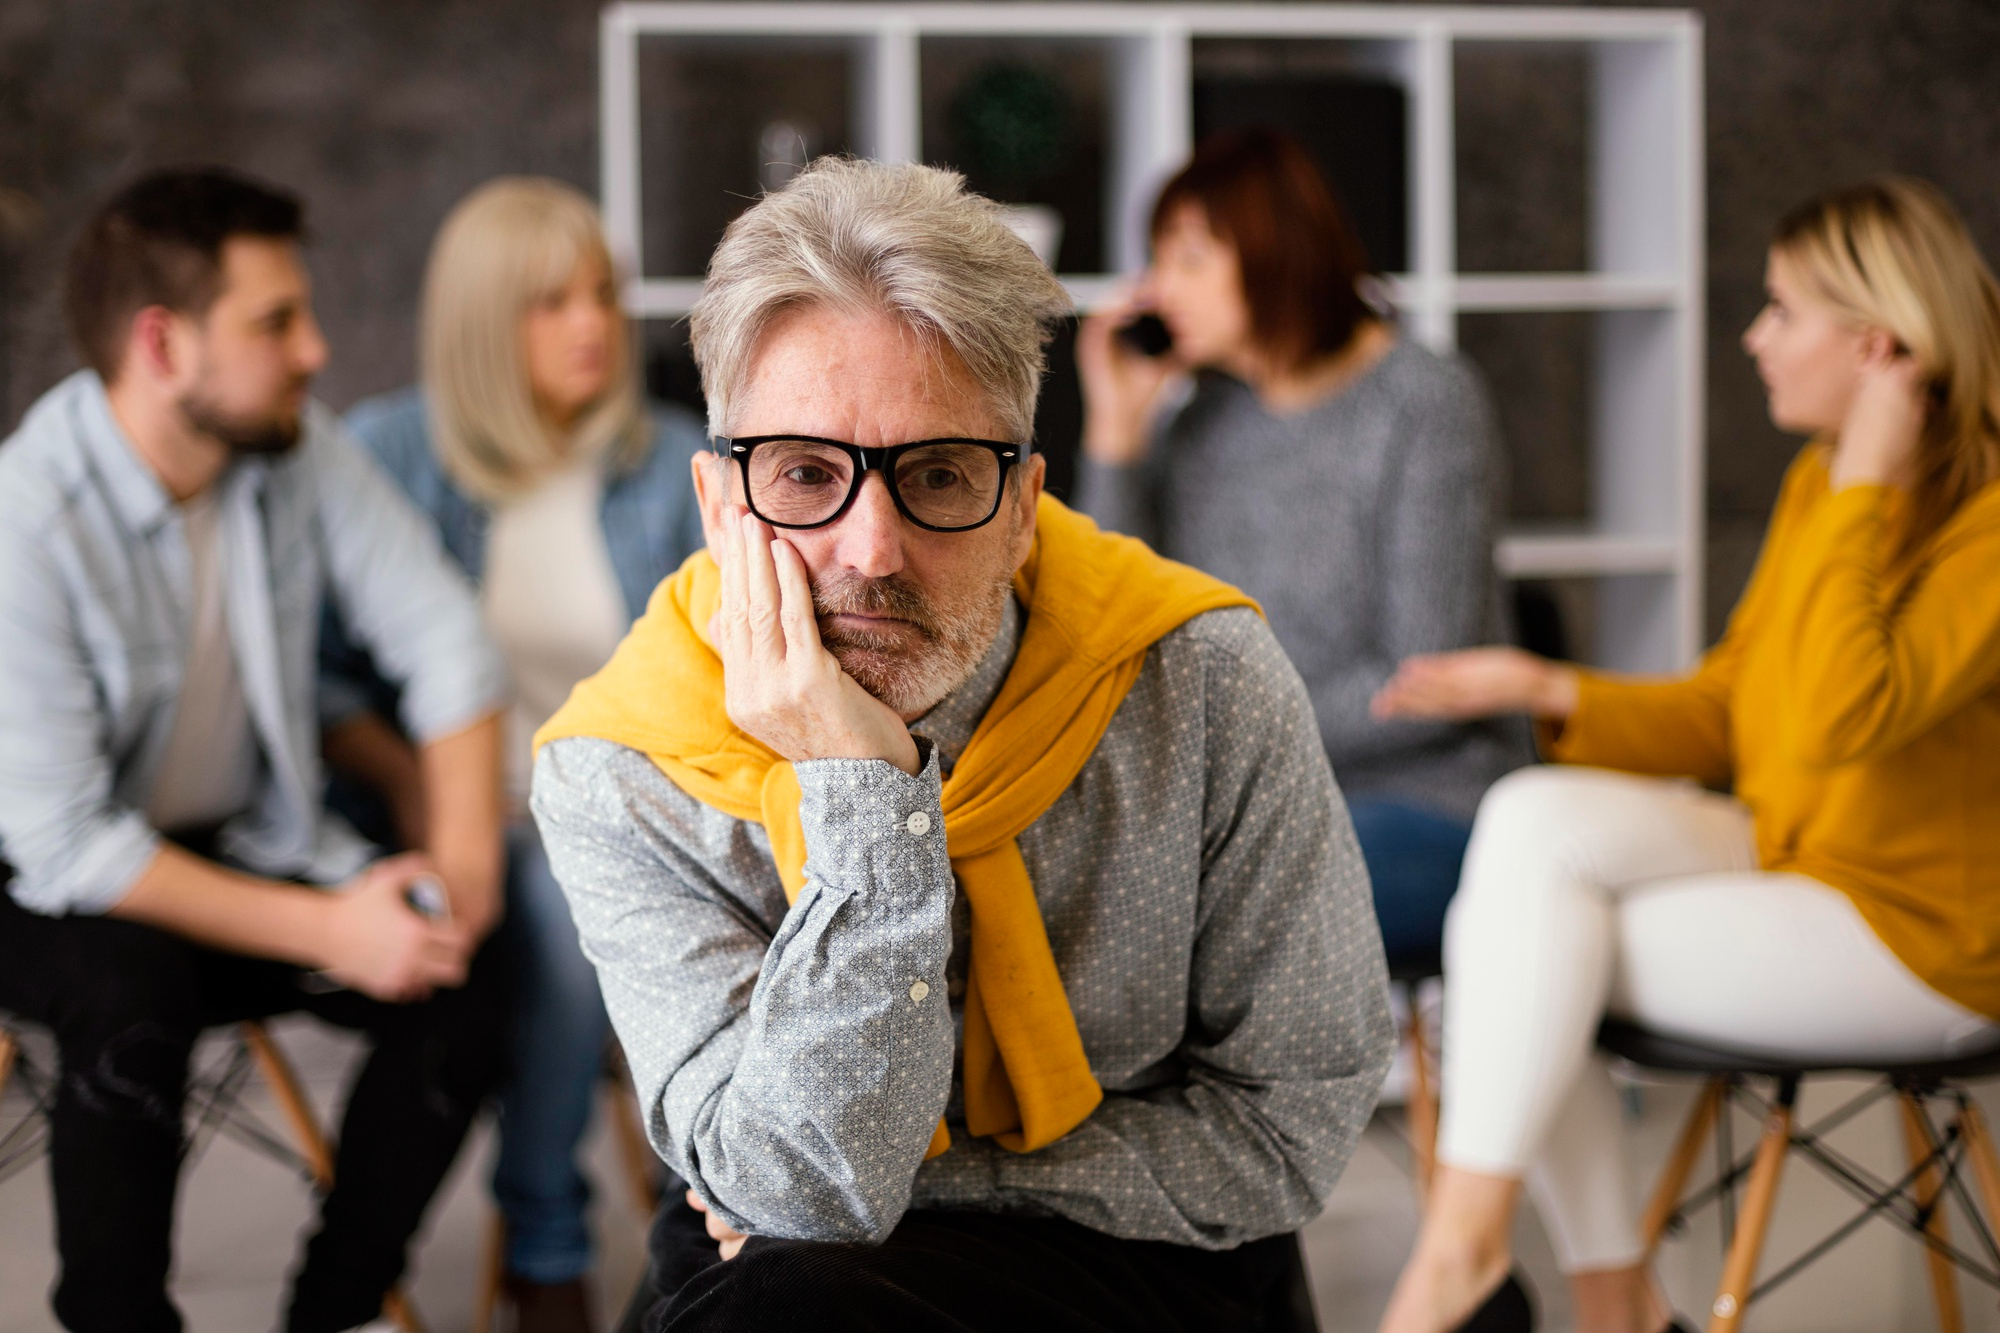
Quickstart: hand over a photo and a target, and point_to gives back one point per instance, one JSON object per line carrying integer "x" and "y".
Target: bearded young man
{"x": 170, "y": 520}
{"x": 968, "y": 886}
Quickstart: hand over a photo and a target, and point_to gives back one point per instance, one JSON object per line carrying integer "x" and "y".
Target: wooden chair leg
{"x": 1680, "y": 1163}
{"x": 312, "y": 1144}
{"x": 397, "y": 1309}
{"x": 1929, "y": 1185}
{"x": 1760, "y": 1197}
{"x": 492, "y": 1273}
{"x": 623, "y": 1100}
{"x": 277, "y": 1072}
{"x": 10, "y": 1046}
{"x": 1985, "y": 1164}
{"x": 1423, "y": 1107}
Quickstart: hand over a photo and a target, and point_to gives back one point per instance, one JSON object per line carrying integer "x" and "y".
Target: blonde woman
{"x": 565, "y": 499}
{"x": 1843, "y": 900}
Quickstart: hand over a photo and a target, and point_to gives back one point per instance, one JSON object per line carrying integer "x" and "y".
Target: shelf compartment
{"x": 1347, "y": 101}
{"x": 985, "y": 102}
{"x": 706, "y": 107}
{"x": 1522, "y": 182}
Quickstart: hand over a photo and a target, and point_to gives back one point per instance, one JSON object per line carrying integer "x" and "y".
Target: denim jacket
{"x": 650, "y": 519}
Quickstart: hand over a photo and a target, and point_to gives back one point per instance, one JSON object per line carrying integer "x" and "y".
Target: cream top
{"x": 209, "y": 771}
{"x": 551, "y": 601}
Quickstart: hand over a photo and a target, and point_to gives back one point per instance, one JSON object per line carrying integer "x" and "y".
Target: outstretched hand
{"x": 780, "y": 684}
{"x": 1474, "y": 683}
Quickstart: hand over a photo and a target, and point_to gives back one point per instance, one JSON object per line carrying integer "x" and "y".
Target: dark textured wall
{"x": 383, "y": 114}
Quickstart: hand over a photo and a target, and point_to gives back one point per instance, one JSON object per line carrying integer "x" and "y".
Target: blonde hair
{"x": 905, "y": 240}
{"x": 506, "y": 245}
{"x": 1893, "y": 254}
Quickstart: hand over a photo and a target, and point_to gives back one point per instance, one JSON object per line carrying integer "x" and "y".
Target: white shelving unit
{"x": 1644, "y": 285}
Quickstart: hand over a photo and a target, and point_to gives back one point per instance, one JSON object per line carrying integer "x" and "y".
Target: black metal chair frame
{"x": 1942, "y": 1153}
{"x": 214, "y": 1106}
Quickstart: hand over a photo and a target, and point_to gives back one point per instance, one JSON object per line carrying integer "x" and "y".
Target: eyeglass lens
{"x": 944, "y": 485}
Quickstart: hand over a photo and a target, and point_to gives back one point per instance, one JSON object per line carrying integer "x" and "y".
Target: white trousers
{"x": 1586, "y": 891}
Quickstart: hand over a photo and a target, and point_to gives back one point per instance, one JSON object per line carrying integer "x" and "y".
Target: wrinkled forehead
{"x": 860, "y": 376}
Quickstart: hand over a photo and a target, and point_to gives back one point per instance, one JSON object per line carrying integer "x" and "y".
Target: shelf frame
{"x": 1647, "y": 245}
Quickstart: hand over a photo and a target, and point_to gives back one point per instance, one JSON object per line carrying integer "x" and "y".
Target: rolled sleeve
{"x": 399, "y": 594}
{"x": 74, "y": 846}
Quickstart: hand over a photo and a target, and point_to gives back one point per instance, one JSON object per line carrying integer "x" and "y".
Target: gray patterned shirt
{"x": 1208, "y": 910}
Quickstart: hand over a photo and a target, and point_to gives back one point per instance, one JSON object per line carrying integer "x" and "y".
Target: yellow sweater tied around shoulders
{"x": 1096, "y": 602}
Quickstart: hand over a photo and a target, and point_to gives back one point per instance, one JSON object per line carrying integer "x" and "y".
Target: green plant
{"x": 1013, "y": 124}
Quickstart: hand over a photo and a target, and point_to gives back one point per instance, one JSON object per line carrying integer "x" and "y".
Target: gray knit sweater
{"x": 1364, "y": 526}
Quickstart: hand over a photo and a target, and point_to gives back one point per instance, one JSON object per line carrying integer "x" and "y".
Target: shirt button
{"x": 918, "y": 824}
{"x": 918, "y": 991}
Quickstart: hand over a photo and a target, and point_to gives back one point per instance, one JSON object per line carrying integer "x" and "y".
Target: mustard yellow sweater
{"x": 1856, "y": 710}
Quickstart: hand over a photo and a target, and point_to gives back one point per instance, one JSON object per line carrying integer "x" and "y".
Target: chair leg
{"x": 312, "y": 1144}
{"x": 492, "y": 1274}
{"x": 398, "y": 1310}
{"x": 1929, "y": 1188}
{"x": 10, "y": 1046}
{"x": 1985, "y": 1163}
{"x": 1760, "y": 1196}
{"x": 277, "y": 1072}
{"x": 1423, "y": 1108}
{"x": 623, "y": 1100}
{"x": 1680, "y": 1163}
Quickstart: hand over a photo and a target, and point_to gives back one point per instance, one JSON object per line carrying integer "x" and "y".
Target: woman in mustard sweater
{"x": 1846, "y": 898}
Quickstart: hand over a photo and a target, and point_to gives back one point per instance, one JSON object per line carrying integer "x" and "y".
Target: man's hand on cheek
{"x": 780, "y": 684}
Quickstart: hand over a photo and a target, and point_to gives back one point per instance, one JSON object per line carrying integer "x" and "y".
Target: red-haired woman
{"x": 1337, "y": 472}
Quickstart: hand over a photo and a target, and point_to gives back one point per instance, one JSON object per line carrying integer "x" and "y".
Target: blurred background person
{"x": 565, "y": 498}
{"x": 1841, "y": 904}
{"x": 171, "y": 519}
{"x": 1343, "y": 476}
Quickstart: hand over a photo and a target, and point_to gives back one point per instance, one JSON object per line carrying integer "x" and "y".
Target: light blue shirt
{"x": 95, "y": 606}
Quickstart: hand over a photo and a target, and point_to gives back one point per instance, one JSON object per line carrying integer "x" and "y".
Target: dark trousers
{"x": 961, "y": 1272}
{"x": 126, "y": 1002}
{"x": 1413, "y": 855}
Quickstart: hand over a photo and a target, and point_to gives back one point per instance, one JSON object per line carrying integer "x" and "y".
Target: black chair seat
{"x": 1420, "y": 965}
{"x": 1654, "y": 1050}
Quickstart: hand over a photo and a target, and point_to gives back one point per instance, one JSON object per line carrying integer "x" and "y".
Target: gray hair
{"x": 904, "y": 240}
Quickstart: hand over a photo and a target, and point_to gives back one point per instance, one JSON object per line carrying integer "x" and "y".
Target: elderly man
{"x": 968, "y": 886}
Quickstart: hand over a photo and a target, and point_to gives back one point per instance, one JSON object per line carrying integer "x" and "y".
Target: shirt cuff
{"x": 870, "y": 825}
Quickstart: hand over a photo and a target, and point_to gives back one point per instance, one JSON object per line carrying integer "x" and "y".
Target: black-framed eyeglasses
{"x": 803, "y": 481}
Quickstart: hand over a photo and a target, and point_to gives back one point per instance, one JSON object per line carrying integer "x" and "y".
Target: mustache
{"x": 893, "y": 596}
